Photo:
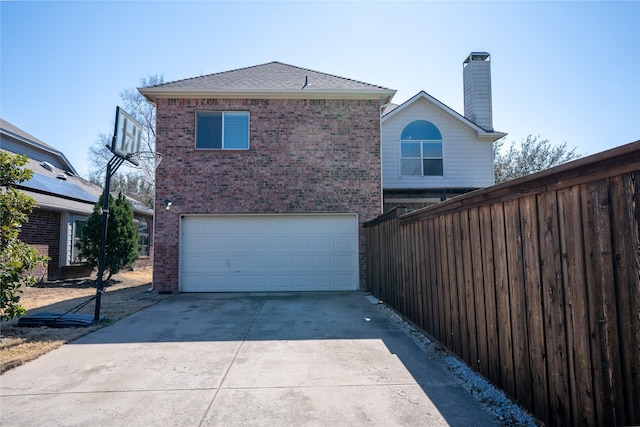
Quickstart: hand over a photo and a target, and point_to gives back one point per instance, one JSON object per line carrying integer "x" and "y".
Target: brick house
{"x": 64, "y": 200}
{"x": 268, "y": 174}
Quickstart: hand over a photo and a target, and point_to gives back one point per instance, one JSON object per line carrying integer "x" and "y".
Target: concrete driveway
{"x": 241, "y": 360}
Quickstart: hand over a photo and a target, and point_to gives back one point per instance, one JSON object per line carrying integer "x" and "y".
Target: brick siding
{"x": 305, "y": 156}
{"x": 42, "y": 232}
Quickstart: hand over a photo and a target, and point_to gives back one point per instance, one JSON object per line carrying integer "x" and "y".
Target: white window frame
{"x": 147, "y": 235}
{"x": 75, "y": 260}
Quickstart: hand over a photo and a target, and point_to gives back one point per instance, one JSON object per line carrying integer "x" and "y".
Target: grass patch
{"x": 126, "y": 293}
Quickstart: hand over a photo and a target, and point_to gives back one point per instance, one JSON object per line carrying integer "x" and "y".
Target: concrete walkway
{"x": 290, "y": 359}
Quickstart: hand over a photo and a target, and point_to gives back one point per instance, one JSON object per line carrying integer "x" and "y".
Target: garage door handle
{"x": 237, "y": 271}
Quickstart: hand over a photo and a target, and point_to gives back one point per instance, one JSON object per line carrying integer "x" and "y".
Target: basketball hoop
{"x": 147, "y": 157}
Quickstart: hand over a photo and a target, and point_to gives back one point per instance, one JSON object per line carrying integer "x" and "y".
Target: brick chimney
{"x": 476, "y": 72}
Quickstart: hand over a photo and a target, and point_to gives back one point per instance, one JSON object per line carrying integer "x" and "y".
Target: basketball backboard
{"x": 126, "y": 135}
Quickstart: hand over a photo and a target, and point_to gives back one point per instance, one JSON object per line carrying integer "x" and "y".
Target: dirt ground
{"x": 126, "y": 293}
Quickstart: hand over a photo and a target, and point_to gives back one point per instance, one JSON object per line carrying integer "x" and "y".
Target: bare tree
{"x": 136, "y": 182}
{"x": 532, "y": 155}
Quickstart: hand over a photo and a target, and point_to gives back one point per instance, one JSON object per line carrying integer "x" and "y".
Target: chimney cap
{"x": 477, "y": 56}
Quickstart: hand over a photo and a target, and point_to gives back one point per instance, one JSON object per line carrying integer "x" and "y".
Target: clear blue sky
{"x": 567, "y": 71}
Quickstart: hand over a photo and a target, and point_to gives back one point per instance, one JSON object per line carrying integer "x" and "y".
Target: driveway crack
{"x": 226, "y": 372}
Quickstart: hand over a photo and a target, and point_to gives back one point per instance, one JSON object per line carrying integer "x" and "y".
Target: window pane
{"x": 433, "y": 167}
{"x": 143, "y": 238}
{"x": 410, "y": 149}
{"x": 421, "y": 130}
{"x": 431, "y": 149}
{"x": 411, "y": 167}
{"x": 236, "y": 130}
{"x": 78, "y": 229}
{"x": 80, "y": 223}
{"x": 209, "y": 130}
{"x": 143, "y": 227}
{"x": 143, "y": 246}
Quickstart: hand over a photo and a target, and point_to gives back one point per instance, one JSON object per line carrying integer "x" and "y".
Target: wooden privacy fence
{"x": 534, "y": 283}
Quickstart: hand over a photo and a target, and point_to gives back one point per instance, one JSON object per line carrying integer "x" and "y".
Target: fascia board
{"x": 490, "y": 136}
{"x": 153, "y": 94}
{"x": 58, "y": 204}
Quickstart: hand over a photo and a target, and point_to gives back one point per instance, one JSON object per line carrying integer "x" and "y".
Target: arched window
{"x": 143, "y": 237}
{"x": 421, "y": 150}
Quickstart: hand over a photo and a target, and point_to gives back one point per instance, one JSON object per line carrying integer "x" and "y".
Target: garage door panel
{"x": 260, "y": 243}
{"x": 343, "y": 227}
{"x": 260, "y": 262}
{"x": 193, "y": 227}
{"x": 341, "y": 281}
{"x": 300, "y": 242}
{"x": 301, "y": 261}
{"x": 228, "y": 253}
{"x": 280, "y": 243}
{"x": 323, "y": 262}
{"x": 322, "y": 242}
{"x": 344, "y": 262}
{"x": 322, "y": 282}
{"x": 280, "y": 262}
{"x": 343, "y": 242}
{"x": 195, "y": 263}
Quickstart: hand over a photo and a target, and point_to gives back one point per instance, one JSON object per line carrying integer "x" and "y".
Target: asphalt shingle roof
{"x": 273, "y": 76}
{"x": 8, "y": 127}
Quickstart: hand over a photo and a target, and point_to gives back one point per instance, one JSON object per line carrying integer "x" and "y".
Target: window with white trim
{"x": 143, "y": 238}
{"x": 222, "y": 130}
{"x": 77, "y": 227}
{"x": 421, "y": 150}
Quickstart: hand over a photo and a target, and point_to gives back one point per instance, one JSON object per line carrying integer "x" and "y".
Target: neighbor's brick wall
{"x": 305, "y": 156}
{"x": 42, "y": 232}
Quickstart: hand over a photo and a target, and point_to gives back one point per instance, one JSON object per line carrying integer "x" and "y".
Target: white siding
{"x": 468, "y": 162}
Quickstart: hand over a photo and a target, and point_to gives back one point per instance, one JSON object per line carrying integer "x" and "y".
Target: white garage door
{"x": 234, "y": 253}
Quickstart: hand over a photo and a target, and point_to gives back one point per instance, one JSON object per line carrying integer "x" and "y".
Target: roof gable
{"x": 273, "y": 78}
{"x": 422, "y": 95}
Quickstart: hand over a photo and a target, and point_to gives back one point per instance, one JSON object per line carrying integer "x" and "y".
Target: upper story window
{"x": 222, "y": 130}
{"x": 421, "y": 150}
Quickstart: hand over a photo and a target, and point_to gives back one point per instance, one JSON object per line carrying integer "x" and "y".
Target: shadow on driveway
{"x": 326, "y": 358}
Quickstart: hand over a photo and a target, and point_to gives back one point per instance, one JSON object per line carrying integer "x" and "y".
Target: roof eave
{"x": 384, "y": 95}
{"x": 492, "y": 136}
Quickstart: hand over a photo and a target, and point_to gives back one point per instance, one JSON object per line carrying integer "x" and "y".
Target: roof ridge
{"x": 262, "y": 65}
{"x": 331, "y": 75}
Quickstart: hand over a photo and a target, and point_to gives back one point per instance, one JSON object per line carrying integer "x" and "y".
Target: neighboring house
{"x": 430, "y": 152}
{"x": 64, "y": 202}
{"x": 268, "y": 174}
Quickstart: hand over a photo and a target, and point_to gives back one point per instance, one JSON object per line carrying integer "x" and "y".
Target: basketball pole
{"x": 112, "y": 167}
{"x": 129, "y": 135}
